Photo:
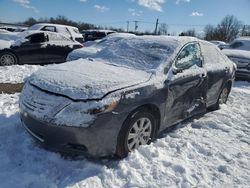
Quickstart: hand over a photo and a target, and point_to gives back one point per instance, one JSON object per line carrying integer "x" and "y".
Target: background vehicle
{"x": 111, "y": 102}
{"x": 37, "y": 47}
{"x": 219, "y": 44}
{"x": 239, "y": 52}
{"x": 69, "y": 31}
{"x": 91, "y": 35}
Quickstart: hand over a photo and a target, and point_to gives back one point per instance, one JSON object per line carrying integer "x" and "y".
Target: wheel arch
{"x": 152, "y": 108}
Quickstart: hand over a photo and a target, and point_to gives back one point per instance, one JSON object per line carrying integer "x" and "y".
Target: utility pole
{"x": 127, "y": 26}
{"x": 156, "y": 26}
{"x": 136, "y": 25}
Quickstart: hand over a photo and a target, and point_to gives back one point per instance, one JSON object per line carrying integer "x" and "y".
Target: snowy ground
{"x": 212, "y": 151}
{"x": 16, "y": 73}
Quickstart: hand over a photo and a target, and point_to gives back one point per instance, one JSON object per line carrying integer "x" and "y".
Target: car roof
{"x": 99, "y": 30}
{"x": 30, "y": 32}
{"x": 57, "y": 25}
{"x": 181, "y": 40}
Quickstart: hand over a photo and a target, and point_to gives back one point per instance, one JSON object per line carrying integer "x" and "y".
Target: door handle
{"x": 203, "y": 75}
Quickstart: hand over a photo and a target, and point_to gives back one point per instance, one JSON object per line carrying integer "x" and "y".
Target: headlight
{"x": 105, "y": 108}
{"x": 82, "y": 114}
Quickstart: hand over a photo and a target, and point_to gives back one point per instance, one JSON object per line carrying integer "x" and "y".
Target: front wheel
{"x": 7, "y": 58}
{"x": 137, "y": 130}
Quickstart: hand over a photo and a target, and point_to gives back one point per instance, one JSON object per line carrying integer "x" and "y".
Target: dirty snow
{"x": 210, "y": 151}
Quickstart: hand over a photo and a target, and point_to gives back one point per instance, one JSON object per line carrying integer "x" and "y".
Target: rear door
{"x": 187, "y": 85}
{"x": 218, "y": 70}
{"x": 58, "y": 48}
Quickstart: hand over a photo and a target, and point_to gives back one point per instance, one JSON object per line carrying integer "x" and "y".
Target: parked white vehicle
{"x": 219, "y": 44}
{"x": 239, "y": 52}
{"x": 69, "y": 31}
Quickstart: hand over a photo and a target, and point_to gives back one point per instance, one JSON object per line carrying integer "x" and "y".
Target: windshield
{"x": 144, "y": 53}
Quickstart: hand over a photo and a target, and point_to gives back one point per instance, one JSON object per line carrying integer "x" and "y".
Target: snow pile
{"x": 16, "y": 73}
{"x": 5, "y": 44}
{"x": 211, "y": 151}
{"x": 9, "y": 36}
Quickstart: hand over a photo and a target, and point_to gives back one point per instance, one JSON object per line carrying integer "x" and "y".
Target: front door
{"x": 186, "y": 84}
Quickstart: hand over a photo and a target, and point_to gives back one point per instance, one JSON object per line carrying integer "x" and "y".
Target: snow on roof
{"x": 140, "y": 52}
{"x": 98, "y": 30}
{"x": 237, "y": 53}
{"x": 39, "y": 25}
{"x": 243, "y": 39}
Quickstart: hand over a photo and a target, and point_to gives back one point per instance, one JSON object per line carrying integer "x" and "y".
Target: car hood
{"x": 237, "y": 53}
{"x": 86, "y": 79}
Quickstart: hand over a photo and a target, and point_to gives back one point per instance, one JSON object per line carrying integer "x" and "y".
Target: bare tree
{"x": 209, "y": 32}
{"x": 190, "y": 32}
{"x": 163, "y": 29}
{"x": 229, "y": 28}
{"x": 245, "y": 30}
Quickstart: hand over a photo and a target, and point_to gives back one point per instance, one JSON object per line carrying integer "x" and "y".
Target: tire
{"x": 138, "y": 129}
{"x": 222, "y": 98}
{"x": 7, "y": 59}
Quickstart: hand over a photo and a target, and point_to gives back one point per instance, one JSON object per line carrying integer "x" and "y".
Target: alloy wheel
{"x": 7, "y": 59}
{"x": 223, "y": 96}
{"x": 139, "y": 133}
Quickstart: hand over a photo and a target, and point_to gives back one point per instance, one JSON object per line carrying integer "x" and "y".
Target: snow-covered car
{"x": 95, "y": 34}
{"x": 123, "y": 92}
{"x": 36, "y": 47}
{"x": 239, "y": 52}
{"x": 219, "y": 44}
{"x": 69, "y": 31}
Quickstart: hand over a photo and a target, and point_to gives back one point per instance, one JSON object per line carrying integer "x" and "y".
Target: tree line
{"x": 227, "y": 30}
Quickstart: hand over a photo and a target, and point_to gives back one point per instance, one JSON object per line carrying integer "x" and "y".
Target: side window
{"x": 189, "y": 56}
{"x": 49, "y": 28}
{"x": 236, "y": 44}
{"x": 36, "y": 38}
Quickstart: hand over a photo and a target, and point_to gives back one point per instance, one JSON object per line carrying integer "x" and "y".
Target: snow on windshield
{"x": 144, "y": 53}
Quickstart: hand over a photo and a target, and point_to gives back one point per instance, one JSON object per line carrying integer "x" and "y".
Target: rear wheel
{"x": 224, "y": 95}
{"x": 222, "y": 98}
{"x": 7, "y": 58}
{"x": 137, "y": 130}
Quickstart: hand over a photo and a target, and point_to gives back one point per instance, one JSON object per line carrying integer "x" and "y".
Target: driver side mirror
{"x": 177, "y": 70}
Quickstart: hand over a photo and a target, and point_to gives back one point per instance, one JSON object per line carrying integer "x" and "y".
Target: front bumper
{"x": 97, "y": 140}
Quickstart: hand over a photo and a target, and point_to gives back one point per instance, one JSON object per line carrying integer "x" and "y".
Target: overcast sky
{"x": 179, "y": 15}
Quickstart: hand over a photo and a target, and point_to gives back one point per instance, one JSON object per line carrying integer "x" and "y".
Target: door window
{"x": 49, "y": 28}
{"x": 189, "y": 56}
{"x": 37, "y": 38}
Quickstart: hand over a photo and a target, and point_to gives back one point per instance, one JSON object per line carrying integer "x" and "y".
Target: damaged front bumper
{"x": 63, "y": 125}
{"x": 99, "y": 139}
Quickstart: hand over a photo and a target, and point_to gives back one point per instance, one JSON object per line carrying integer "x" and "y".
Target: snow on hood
{"x": 5, "y": 44}
{"x": 84, "y": 79}
{"x": 237, "y": 53}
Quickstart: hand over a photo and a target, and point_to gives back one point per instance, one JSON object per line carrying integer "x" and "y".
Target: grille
{"x": 40, "y": 103}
